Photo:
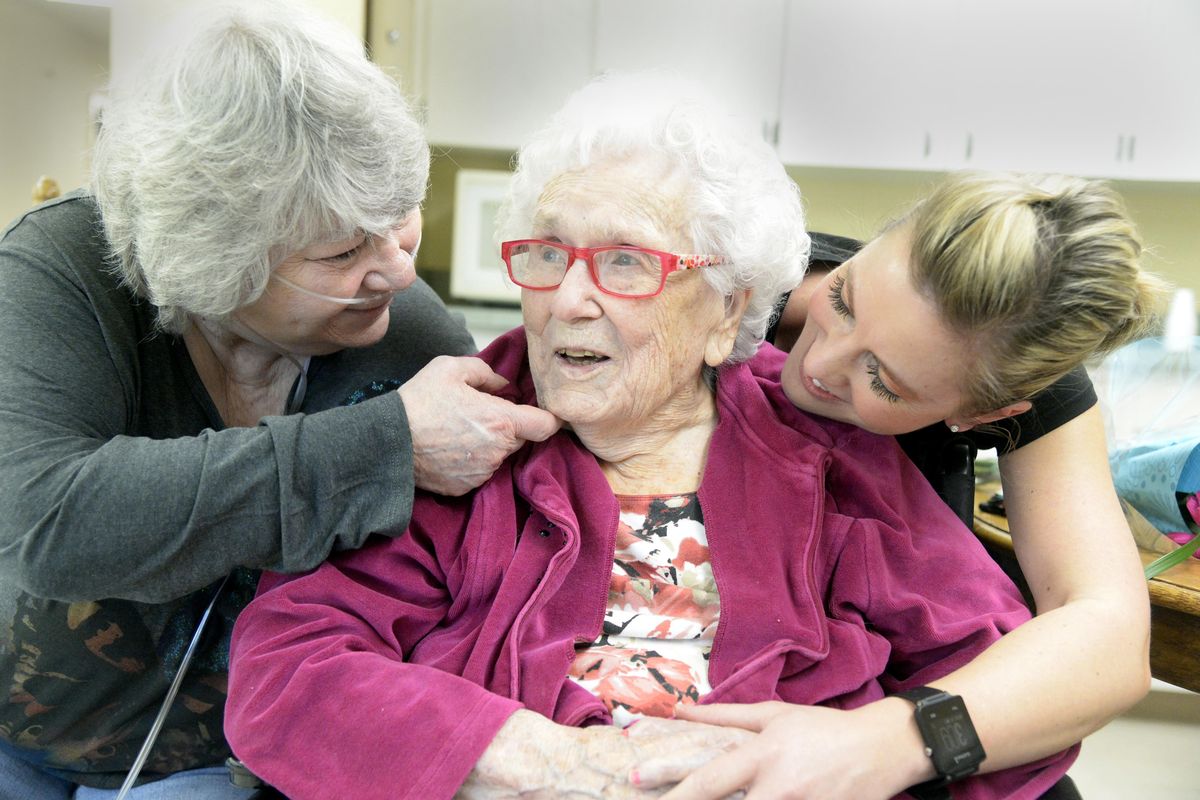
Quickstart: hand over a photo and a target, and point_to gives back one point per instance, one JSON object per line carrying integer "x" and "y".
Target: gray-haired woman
{"x": 175, "y": 347}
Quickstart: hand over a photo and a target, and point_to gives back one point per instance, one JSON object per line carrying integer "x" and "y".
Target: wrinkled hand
{"x": 798, "y": 752}
{"x": 533, "y": 758}
{"x": 460, "y": 434}
{"x": 678, "y": 747}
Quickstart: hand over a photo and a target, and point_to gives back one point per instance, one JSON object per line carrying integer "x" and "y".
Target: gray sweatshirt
{"x": 123, "y": 497}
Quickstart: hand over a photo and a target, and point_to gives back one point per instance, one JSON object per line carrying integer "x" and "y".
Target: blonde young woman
{"x": 1021, "y": 279}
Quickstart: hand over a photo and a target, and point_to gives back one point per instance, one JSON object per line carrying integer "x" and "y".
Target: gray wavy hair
{"x": 263, "y": 131}
{"x": 741, "y": 202}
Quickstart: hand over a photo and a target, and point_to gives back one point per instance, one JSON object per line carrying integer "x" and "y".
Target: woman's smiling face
{"x": 874, "y": 352}
{"x": 294, "y": 315}
{"x": 600, "y": 360}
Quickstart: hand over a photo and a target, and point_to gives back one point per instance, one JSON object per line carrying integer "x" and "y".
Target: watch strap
{"x": 920, "y": 694}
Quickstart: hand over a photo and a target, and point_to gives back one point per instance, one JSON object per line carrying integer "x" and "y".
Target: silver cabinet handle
{"x": 1125, "y": 145}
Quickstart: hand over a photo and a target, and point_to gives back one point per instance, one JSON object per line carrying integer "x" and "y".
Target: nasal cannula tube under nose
{"x": 346, "y": 301}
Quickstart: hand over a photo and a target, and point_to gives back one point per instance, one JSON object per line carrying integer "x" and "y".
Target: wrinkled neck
{"x": 246, "y": 376}
{"x": 663, "y": 454}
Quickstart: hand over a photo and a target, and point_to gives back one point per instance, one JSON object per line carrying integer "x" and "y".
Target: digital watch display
{"x": 950, "y": 739}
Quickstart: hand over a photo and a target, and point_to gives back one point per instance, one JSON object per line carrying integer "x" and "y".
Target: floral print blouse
{"x": 652, "y": 652}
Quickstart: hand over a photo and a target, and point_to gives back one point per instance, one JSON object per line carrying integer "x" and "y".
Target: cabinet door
{"x": 496, "y": 71}
{"x": 1039, "y": 83}
{"x": 1158, "y": 104}
{"x": 734, "y": 48}
{"x": 1105, "y": 89}
{"x": 857, "y": 90}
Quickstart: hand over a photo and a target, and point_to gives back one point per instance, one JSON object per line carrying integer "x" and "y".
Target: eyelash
{"x": 877, "y": 385}
{"x": 835, "y": 296}
{"x": 342, "y": 258}
{"x": 843, "y": 310}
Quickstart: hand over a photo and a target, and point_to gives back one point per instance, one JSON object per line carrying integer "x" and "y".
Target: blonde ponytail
{"x": 1037, "y": 272}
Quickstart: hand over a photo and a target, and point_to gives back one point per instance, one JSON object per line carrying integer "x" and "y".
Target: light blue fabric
{"x": 1189, "y": 476}
{"x": 20, "y": 780}
{"x": 1148, "y": 476}
{"x": 1159, "y": 453}
{"x": 210, "y": 783}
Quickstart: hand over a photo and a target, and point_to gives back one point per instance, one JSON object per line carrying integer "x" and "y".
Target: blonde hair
{"x": 1038, "y": 273}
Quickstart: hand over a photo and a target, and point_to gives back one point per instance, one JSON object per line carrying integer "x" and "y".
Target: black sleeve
{"x": 1065, "y": 400}
{"x": 947, "y": 459}
{"x": 828, "y": 252}
{"x": 832, "y": 250}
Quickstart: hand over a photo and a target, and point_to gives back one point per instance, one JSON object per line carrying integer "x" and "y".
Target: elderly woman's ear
{"x": 721, "y": 339}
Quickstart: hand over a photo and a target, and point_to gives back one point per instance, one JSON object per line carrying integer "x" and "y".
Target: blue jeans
{"x": 20, "y": 780}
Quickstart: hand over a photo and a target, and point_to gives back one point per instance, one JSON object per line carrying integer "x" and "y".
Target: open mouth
{"x": 818, "y": 390}
{"x": 580, "y": 358}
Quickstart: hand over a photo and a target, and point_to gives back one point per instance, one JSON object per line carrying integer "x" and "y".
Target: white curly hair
{"x": 741, "y": 202}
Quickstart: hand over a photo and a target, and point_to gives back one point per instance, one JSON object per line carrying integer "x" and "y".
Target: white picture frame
{"x": 476, "y": 271}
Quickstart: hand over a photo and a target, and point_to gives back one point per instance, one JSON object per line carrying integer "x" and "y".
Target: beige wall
{"x": 856, "y": 202}
{"x": 51, "y": 60}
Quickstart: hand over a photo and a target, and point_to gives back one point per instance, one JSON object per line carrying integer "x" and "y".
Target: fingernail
{"x": 635, "y": 777}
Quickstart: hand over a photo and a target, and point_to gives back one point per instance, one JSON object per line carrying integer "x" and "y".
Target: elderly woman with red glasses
{"x": 692, "y": 537}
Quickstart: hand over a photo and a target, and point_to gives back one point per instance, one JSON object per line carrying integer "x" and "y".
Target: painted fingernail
{"x": 635, "y": 777}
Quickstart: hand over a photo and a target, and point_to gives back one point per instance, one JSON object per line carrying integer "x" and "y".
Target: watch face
{"x": 949, "y": 733}
{"x": 952, "y": 727}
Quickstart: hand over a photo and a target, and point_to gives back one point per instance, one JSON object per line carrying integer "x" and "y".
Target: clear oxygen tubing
{"x": 186, "y": 662}
{"x": 302, "y": 384}
{"x": 345, "y": 301}
{"x": 374, "y": 297}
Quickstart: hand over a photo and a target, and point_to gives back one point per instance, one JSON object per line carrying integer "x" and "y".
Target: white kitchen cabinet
{"x": 856, "y": 91}
{"x": 1157, "y": 103}
{"x": 1094, "y": 88}
{"x": 494, "y": 72}
{"x": 734, "y": 48}
{"x": 1078, "y": 86}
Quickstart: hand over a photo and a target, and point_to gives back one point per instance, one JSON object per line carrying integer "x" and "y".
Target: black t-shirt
{"x": 946, "y": 458}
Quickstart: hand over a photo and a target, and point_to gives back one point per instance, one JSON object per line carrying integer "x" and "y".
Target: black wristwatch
{"x": 950, "y": 739}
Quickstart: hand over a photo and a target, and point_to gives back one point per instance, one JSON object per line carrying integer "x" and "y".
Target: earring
{"x": 954, "y": 429}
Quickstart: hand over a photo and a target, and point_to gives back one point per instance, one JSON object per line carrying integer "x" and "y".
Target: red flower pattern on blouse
{"x": 652, "y": 653}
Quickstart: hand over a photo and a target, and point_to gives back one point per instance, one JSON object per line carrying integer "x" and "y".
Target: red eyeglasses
{"x": 621, "y": 271}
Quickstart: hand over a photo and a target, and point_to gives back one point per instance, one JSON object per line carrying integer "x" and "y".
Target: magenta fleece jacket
{"x": 842, "y": 577}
